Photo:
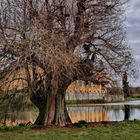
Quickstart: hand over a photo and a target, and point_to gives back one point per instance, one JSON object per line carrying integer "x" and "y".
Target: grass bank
{"x": 97, "y": 101}
{"x": 113, "y": 131}
{"x": 132, "y": 99}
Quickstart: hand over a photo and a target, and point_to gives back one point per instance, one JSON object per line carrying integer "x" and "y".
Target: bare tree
{"x": 67, "y": 40}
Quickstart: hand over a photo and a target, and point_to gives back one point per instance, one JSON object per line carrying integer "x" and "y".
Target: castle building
{"x": 80, "y": 90}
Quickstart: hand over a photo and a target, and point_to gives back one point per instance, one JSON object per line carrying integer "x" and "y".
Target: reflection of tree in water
{"x": 15, "y": 107}
{"x": 96, "y": 113}
{"x": 133, "y": 109}
{"x": 126, "y": 112}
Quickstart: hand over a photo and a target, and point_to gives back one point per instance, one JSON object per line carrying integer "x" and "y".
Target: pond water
{"x": 87, "y": 112}
{"x": 104, "y": 112}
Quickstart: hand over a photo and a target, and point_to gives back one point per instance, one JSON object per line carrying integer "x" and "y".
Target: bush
{"x": 80, "y": 124}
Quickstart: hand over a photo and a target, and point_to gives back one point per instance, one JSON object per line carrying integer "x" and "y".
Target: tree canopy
{"x": 68, "y": 40}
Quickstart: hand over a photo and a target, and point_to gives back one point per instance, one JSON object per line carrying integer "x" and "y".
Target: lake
{"x": 104, "y": 112}
{"x": 87, "y": 112}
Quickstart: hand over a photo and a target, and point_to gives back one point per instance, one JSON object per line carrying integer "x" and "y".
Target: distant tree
{"x": 125, "y": 83}
{"x": 126, "y": 92}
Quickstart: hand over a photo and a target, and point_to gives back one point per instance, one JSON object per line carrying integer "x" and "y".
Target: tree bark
{"x": 61, "y": 117}
{"x": 42, "y": 103}
{"x": 52, "y": 108}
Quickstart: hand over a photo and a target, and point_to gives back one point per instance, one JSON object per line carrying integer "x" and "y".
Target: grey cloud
{"x": 133, "y": 32}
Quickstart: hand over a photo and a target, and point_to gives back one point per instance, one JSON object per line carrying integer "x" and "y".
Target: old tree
{"x": 55, "y": 42}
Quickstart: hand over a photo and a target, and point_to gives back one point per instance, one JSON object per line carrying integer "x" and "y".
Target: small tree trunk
{"x": 125, "y": 86}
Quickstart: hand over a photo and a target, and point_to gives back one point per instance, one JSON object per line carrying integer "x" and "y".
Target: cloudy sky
{"x": 133, "y": 32}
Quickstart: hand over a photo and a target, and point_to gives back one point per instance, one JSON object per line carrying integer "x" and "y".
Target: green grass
{"x": 95, "y": 101}
{"x": 15, "y": 128}
{"x": 115, "y": 131}
{"x": 132, "y": 99}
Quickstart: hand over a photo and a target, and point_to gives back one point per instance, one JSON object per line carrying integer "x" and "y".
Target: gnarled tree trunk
{"x": 42, "y": 103}
{"x": 57, "y": 114}
{"x": 61, "y": 115}
{"x": 52, "y": 107}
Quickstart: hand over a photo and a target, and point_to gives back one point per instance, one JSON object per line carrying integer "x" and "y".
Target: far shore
{"x": 98, "y": 101}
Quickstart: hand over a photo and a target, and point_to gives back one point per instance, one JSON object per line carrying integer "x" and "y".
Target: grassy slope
{"x": 132, "y": 99}
{"x": 117, "y": 131}
{"x": 96, "y": 101}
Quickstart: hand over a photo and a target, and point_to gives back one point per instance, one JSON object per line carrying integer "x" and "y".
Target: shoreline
{"x": 79, "y": 124}
{"x": 97, "y": 101}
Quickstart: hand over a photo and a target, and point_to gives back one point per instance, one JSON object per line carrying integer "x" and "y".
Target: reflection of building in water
{"x": 81, "y": 90}
{"x": 89, "y": 114}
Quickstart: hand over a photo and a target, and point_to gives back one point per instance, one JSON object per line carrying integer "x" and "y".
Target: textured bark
{"x": 41, "y": 117}
{"x": 61, "y": 117}
{"x": 42, "y": 103}
{"x": 52, "y": 107}
{"x": 51, "y": 111}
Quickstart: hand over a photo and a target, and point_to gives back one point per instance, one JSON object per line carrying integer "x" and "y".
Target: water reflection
{"x": 16, "y": 118}
{"x": 88, "y": 112}
{"x": 126, "y": 112}
{"x": 105, "y": 112}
